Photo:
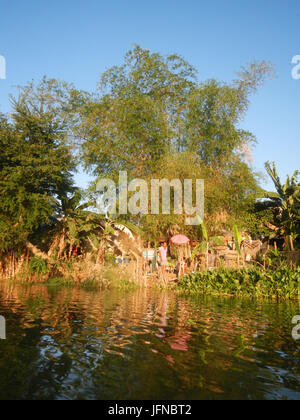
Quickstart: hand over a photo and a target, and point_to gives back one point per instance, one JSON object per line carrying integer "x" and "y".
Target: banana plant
{"x": 237, "y": 239}
{"x": 203, "y": 231}
{"x": 287, "y": 200}
{"x": 73, "y": 224}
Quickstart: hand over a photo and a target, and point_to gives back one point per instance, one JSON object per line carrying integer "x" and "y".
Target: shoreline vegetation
{"x": 152, "y": 118}
{"x": 282, "y": 283}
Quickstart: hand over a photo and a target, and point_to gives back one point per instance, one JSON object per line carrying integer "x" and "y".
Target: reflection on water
{"x": 75, "y": 344}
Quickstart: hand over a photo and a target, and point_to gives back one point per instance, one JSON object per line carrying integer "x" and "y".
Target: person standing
{"x": 163, "y": 252}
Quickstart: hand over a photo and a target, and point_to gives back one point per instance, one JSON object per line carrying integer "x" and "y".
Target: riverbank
{"x": 279, "y": 283}
{"x": 250, "y": 282}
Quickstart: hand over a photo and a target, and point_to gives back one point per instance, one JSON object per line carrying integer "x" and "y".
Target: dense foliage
{"x": 254, "y": 282}
{"x": 36, "y": 163}
{"x": 152, "y": 118}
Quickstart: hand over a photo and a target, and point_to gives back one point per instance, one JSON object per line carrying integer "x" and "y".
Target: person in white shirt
{"x": 163, "y": 252}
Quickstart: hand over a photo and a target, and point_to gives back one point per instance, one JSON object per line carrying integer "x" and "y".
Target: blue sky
{"x": 77, "y": 40}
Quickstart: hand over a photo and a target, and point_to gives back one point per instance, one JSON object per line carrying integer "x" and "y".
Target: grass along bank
{"x": 76, "y": 272}
{"x": 250, "y": 282}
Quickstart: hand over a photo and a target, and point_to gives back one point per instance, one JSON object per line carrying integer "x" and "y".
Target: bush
{"x": 38, "y": 266}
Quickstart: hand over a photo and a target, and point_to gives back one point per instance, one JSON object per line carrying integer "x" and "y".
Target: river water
{"x": 71, "y": 343}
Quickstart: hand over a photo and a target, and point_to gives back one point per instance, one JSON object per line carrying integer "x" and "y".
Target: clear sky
{"x": 76, "y": 40}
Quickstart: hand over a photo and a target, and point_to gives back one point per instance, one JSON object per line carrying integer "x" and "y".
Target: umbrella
{"x": 180, "y": 240}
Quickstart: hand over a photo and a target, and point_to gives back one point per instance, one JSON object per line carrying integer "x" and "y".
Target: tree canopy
{"x": 150, "y": 116}
{"x": 36, "y": 163}
{"x": 151, "y": 112}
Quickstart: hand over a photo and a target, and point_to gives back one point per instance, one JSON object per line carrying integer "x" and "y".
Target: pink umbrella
{"x": 180, "y": 240}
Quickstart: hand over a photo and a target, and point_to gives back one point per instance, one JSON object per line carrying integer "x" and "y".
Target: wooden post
{"x": 207, "y": 262}
{"x": 292, "y": 244}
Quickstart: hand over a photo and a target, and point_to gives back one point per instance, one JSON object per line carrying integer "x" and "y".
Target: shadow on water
{"x": 71, "y": 343}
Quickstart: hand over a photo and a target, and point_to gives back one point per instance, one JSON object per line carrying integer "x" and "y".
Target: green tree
{"x": 151, "y": 113}
{"x": 139, "y": 114}
{"x": 36, "y": 162}
{"x": 152, "y": 105}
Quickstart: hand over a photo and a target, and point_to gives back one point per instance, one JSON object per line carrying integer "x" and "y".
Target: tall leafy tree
{"x": 138, "y": 115}
{"x": 150, "y": 113}
{"x": 152, "y": 105}
{"x": 215, "y": 111}
{"x": 36, "y": 162}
